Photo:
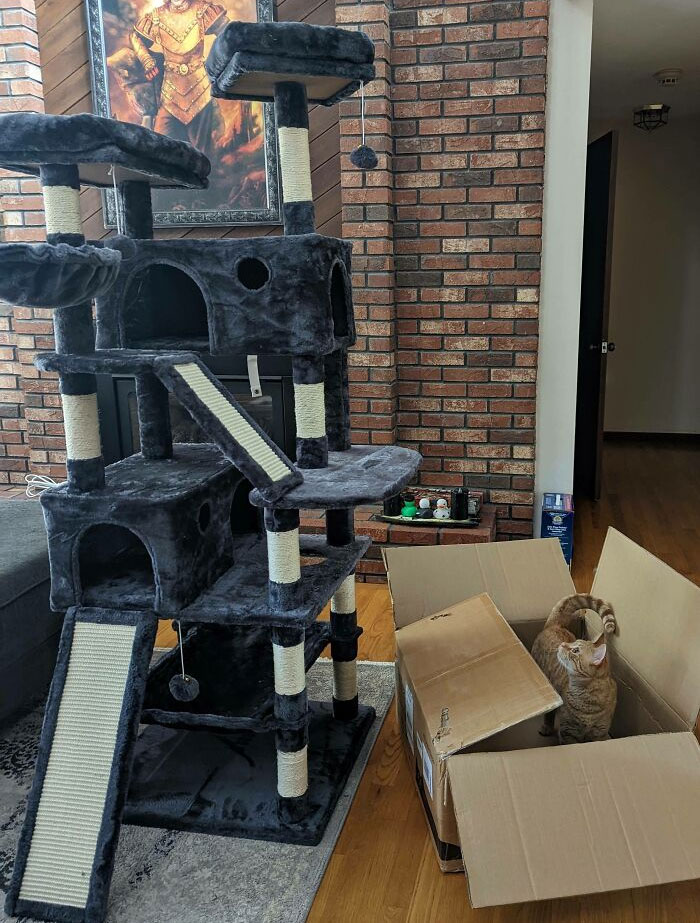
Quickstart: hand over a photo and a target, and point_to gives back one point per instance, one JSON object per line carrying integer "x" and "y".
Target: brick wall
{"x": 446, "y": 361}
{"x": 31, "y": 431}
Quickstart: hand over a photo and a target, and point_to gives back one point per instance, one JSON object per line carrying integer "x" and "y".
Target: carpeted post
{"x": 74, "y": 333}
{"x": 344, "y": 630}
{"x": 134, "y": 200}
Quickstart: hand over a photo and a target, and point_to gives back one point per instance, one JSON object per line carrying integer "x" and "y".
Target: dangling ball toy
{"x": 364, "y": 156}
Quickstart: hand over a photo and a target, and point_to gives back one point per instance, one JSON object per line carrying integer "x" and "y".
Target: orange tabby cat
{"x": 579, "y": 670}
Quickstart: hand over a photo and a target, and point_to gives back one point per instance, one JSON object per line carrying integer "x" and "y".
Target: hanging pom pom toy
{"x": 182, "y": 687}
{"x": 363, "y": 156}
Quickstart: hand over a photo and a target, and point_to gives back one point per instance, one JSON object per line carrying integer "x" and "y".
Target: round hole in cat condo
{"x": 204, "y": 516}
{"x": 252, "y": 273}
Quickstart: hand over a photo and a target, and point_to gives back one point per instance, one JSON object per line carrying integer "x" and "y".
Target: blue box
{"x": 558, "y": 521}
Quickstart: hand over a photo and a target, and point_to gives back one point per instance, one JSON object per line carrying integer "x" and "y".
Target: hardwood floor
{"x": 383, "y": 869}
{"x": 651, "y": 492}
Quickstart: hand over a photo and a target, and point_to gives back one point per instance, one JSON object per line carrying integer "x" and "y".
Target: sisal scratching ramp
{"x": 66, "y": 850}
{"x": 236, "y": 434}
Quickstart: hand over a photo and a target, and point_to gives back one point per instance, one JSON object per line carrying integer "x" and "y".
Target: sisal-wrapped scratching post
{"x": 74, "y": 333}
{"x": 292, "y": 114}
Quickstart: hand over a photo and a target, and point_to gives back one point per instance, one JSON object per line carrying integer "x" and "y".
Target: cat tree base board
{"x": 226, "y": 783}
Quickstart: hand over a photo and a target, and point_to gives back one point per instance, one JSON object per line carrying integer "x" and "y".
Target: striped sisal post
{"x": 292, "y": 736}
{"x": 308, "y": 373}
{"x": 344, "y": 631}
{"x": 74, "y": 333}
{"x": 284, "y": 564}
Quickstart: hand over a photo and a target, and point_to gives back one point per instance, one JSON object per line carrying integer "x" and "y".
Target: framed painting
{"x": 148, "y": 67}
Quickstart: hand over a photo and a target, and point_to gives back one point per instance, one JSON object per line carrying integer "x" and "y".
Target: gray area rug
{"x": 164, "y": 876}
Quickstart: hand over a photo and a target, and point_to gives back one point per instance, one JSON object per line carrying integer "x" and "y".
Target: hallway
{"x": 651, "y": 492}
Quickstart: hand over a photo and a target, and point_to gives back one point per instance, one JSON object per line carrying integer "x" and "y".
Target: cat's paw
{"x": 547, "y": 730}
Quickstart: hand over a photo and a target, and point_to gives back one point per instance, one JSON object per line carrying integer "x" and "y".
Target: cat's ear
{"x": 599, "y": 654}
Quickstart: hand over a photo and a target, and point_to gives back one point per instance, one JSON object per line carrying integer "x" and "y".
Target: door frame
{"x": 568, "y": 77}
{"x": 595, "y": 488}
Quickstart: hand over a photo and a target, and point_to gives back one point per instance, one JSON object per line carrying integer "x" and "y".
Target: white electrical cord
{"x": 362, "y": 110}
{"x": 36, "y": 483}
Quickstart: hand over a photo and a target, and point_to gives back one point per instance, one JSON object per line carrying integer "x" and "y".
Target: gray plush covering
{"x": 55, "y": 275}
{"x": 178, "y": 553}
{"x": 30, "y": 139}
{"x": 240, "y": 596}
{"x": 363, "y": 474}
{"x": 248, "y": 59}
{"x": 108, "y": 361}
{"x": 304, "y": 308}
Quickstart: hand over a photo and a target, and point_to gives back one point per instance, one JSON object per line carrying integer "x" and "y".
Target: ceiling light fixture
{"x": 669, "y": 76}
{"x": 652, "y": 116}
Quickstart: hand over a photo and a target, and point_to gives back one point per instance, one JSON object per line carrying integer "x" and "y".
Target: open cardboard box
{"x": 534, "y": 819}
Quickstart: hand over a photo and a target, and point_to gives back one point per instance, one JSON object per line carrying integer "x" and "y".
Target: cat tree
{"x": 233, "y": 746}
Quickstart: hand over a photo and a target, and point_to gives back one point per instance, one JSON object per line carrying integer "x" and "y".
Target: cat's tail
{"x": 570, "y": 606}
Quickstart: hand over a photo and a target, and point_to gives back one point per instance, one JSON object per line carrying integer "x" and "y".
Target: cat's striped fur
{"x": 579, "y": 670}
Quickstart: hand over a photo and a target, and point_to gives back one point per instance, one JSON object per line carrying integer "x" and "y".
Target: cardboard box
{"x": 536, "y": 820}
{"x": 558, "y": 521}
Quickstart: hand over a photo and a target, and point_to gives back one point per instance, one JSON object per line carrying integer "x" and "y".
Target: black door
{"x": 595, "y": 303}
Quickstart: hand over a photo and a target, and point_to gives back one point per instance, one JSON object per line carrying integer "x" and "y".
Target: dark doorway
{"x": 165, "y": 308}
{"x": 595, "y": 304}
{"x": 115, "y": 568}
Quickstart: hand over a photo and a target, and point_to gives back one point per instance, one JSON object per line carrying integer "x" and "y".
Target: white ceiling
{"x": 632, "y": 39}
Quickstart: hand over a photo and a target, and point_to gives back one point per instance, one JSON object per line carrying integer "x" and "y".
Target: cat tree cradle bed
{"x": 162, "y": 533}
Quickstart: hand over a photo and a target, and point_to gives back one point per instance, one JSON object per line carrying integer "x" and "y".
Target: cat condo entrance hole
{"x": 164, "y": 307}
{"x": 339, "y": 299}
{"x": 245, "y": 517}
{"x": 252, "y": 273}
{"x": 114, "y": 563}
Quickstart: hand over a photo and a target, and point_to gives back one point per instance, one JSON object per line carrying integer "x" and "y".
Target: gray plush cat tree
{"x": 234, "y": 748}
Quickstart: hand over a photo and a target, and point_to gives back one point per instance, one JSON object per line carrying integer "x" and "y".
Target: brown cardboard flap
{"x": 578, "y": 819}
{"x": 471, "y": 675}
{"x": 658, "y": 615}
{"x": 525, "y": 579}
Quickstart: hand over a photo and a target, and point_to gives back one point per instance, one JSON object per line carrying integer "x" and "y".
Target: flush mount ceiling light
{"x": 652, "y": 116}
{"x": 668, "y": 77}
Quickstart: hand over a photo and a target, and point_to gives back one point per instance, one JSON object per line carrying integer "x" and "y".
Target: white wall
{"x": 653, "y": 382}
{"x": 568, "y": 70}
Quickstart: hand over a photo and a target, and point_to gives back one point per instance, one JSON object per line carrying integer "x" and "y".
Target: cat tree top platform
{"x": 29, "y": 140}
{"x": 248, "y": 59}
{"x": 55, "y": 275}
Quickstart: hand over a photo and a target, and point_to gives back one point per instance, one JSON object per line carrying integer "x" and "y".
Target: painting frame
{"x": 271, "y": 214}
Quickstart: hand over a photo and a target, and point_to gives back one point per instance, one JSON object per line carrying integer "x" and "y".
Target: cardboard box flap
{"x": 471, "y": 675}
{"x": 525, "y": 579}
{"x": 658, "y": 616}
{"x": 549, "y": 823}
